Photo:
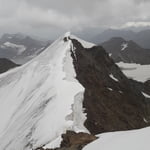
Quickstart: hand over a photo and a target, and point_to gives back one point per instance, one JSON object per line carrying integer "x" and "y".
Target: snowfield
{"x": 41, "y": 100}
{"x": 124, "y": 140}
{"x": 135, "y": 71}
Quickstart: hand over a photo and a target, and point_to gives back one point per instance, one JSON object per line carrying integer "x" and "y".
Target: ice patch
{"x": 115, "y": 79}
{"x": 146, "y": 95}
{"x": 110, "y": 89}
{"x": 124, "y": 46}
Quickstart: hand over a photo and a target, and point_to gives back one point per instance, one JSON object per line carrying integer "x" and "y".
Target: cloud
{"x": 52, "y": 17}
{"x": 136, "y": 24}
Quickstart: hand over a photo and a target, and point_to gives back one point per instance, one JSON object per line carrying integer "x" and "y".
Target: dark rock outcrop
{"x": 110, "y": 105}
{"x": 6, "y": 64}
{"x": 73, "y": 141}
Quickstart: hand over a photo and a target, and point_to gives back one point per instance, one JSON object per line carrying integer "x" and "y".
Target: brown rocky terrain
{"x": 110, "y": 105}
{"x": 73, "y": 141}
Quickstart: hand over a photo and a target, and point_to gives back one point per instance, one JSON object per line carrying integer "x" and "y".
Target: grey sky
{"x": 53, "y": 17}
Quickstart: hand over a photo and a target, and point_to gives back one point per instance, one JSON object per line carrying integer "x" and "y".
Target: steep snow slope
{"x": 39, "y": 100}
{"x": 125, "y": 140}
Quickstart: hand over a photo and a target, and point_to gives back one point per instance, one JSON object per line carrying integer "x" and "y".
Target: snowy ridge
{"x": 43, "y": 100}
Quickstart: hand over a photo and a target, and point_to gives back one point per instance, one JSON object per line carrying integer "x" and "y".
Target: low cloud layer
{"x": 53, "y": 17}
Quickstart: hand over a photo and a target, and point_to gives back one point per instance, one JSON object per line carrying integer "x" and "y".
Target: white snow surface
{"x": 110, "y": 89}
{"x": 41, "y": 100}
{"x": 110, "y": 54}
{"x": 112, "y": 76}
{"x": 124, "y": 140}
{"x": 20, "y": 48}
{"x": 124, "y": 46}
{"x": 146, "y": 95}
{"x": 135, "y": 71}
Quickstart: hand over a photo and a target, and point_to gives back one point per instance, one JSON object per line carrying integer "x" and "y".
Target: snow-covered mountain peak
{"x": 44, "y": 100}
{"x": 67, "y": 34}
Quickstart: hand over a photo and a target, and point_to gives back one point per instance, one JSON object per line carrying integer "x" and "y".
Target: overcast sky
{"x": 49, "y": 18}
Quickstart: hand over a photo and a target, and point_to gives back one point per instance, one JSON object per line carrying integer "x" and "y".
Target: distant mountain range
{"x": 20, "y": 48}
{"x": 126, "y": 51}
{"x": 142, "y": 38}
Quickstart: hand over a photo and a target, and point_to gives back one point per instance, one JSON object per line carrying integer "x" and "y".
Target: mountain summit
{"x": 72, "y": 85}
{"x": 126, "y": 51}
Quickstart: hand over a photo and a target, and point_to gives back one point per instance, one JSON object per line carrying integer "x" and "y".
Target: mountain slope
{"x": 47, "y": 96}
{"x": 126, "y": 51}
{"x": 6, "y": 64}
{"x": 39, "y": 103}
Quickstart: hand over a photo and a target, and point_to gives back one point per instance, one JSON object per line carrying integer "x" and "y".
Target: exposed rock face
{"x": 74, "y": 141}
{"x": 110, "y": 104}
{"x": 6, "y": 64}
{"x": 126, "y": 51}
{"x": 71, "y": 139}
